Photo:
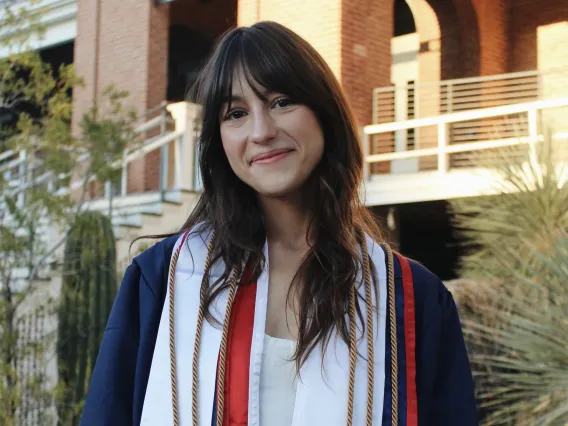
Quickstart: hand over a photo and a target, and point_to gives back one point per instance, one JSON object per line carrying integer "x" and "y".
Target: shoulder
{"x": 147, "y": 271}
{"x": 434, "y": 303}
{"x": 153, "y": 263}
{"x": 157, "y": 255}
{"x": 427, "y": 285}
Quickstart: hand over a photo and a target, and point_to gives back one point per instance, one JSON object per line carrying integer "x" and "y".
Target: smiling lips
{"x": 271, "y": 156}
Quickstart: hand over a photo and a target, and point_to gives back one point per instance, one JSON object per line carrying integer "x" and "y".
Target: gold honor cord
{"x": 233, "y": 283}
{"x": 393, "y": 338}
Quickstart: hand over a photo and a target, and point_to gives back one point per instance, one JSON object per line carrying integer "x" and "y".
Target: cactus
{"x": 88, "y": 288}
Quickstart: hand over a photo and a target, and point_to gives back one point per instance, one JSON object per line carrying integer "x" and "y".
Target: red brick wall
{"x": 526, "y": 17}
{"x": 156, "y": 87}
{"x": 133, "y": 45}
{"x": 493, "y": 17}
{"x": 366, "y": 31}
{"x": 85, "y": 52}
{"x": 458, "y": 38}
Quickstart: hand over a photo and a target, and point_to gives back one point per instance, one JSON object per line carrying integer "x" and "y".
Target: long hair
{"x": 279, "y": 60}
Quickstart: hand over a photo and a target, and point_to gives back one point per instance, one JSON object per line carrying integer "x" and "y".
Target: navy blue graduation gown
{"x": 444, "y": 385}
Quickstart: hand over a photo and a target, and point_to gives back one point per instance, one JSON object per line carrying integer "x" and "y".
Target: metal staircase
{"x": 161, "y": 211}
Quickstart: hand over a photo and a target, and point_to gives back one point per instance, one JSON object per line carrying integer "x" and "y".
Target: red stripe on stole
{"x": 239, "y": 341}
{"x": 410, "y": 342}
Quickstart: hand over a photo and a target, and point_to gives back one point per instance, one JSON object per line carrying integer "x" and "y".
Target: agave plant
{"x": 513, "y": 296}
{"x": 520, "y": 353}
{"x": 529, "y": 204}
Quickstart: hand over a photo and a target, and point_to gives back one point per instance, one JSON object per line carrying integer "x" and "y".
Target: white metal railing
{"x": 21, "y": 172}
{"x": 441, "y": 155}
{"x": 402, "y": 102}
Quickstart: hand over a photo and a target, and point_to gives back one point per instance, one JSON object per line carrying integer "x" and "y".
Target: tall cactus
{"x": 88, "y": 288}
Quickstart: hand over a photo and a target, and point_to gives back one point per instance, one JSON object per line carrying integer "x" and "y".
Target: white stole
{"x": 321, "y": 398}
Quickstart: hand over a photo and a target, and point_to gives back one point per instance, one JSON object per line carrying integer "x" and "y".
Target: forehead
{"x": 243, "y": 86}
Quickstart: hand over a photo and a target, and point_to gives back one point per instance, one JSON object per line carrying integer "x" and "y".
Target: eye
{"x": 234, "y": 115}
{"x": 282, "y": 103}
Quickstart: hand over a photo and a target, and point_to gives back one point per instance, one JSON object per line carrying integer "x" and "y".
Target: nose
{"x": 263, "y": 127}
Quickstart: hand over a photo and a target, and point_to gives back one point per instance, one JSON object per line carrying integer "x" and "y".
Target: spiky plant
{"x": 522, "y": 351}
{"x": 515, "y": 286}
{"x": 529, "y": 204}
{"x": 88, "y": 289}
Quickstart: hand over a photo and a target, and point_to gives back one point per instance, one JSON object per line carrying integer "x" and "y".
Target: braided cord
{"x": 393, "y": 339}
{"x": 173, "y": 370}
{"x": 370, "y": 332}
{"x": 353, "y": 340}
{"x": 223, "y": 352}
{"x": 199, "y": 326}
{"x": 233, "y": 279}
{"x": 352, "y": 356}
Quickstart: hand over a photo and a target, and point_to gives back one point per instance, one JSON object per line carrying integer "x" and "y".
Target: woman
{"x": 268, "y": 305}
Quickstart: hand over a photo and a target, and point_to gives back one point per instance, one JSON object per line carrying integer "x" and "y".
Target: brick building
{"x": 407, "y": 66}
{"x": 430, "y": 81}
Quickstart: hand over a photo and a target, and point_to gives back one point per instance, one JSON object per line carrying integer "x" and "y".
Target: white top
{"x": 278, "y": 381}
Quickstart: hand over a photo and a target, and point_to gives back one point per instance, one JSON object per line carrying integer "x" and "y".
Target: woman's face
{"x": 272, "y": 144}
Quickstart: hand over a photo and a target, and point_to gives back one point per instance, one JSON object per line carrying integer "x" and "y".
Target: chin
{"x": 276, "y": 189}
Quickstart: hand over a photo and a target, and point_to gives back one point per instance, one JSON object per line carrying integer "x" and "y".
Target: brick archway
{"x": 458, "y": 36}
{"x": 428, "y": 98}
{"x": 429, "y": 32}
{"x": 448, "y": 48}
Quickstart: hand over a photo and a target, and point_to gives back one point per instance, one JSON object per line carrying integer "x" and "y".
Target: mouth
{"x": 271, "y": 156}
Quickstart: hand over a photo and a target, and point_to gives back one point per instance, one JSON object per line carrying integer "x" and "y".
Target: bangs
{"x": 264, "y": 61}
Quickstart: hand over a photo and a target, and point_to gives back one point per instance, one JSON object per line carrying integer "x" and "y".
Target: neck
{"x": 286, "y": 222}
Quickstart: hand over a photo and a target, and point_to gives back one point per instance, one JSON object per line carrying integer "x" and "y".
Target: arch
{"x": 469, "y": 38}
{"x": 425, "y": 17}
{"x": 404, "y": 22}
{"x": 428, "y": 98}
{"x": 459, "y": 37}
{"x": 428, "y": 28}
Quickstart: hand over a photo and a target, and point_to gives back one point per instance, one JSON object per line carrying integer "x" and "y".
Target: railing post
{"x": 443, "y": 163}
{"x": 124, "y": 175}
{"x": 164, "y": 118}
{"x": 164, "y": 163}
{"x": 164, "y": 152}
{"x": 178, "y": 152}
{"x": 185, "y": 115}
{"x": 532, "y": 117}
{"x": 450, "y": 96}
{"x": 539, "y": 88}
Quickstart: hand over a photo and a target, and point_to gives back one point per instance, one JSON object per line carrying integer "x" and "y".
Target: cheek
{"x": 314, "y": 138}
{"x": 233, "y": 149}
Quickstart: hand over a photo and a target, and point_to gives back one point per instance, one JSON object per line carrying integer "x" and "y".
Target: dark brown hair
{"x": 279, "y": 60}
